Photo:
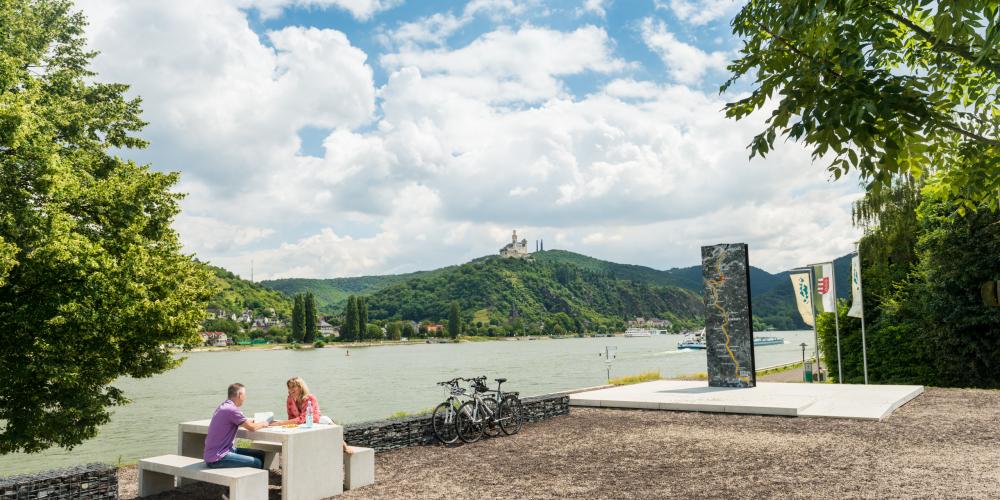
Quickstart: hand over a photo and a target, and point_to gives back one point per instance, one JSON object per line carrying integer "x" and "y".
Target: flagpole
{"x": 812, "y": 304}
{"x": 836, "y": 322}
{"x": 864, "y": 345}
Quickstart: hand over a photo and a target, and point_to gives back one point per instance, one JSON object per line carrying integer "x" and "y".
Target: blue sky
{"x": 323, "y": 138}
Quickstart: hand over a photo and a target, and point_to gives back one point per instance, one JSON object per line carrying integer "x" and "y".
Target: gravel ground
{"x": 943, "y": 444}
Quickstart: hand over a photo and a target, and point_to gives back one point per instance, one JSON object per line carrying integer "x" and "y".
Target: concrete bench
{"x": 157, "y": 474}
{"x": 271, "y": 451}
{"x": 359, "y": 467}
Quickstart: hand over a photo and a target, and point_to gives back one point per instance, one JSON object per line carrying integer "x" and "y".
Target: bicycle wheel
{"x": 469, "y": 430}
{"x": 491, "y": 417}
{"x": 444, "y": 422}
{"x": 511, "y": 414}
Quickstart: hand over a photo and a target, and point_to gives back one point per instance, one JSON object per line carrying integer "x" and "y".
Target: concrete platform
{"x": 870, "y": 402}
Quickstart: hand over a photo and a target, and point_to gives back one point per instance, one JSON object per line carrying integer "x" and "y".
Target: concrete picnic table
{"x": 312, "y": 463}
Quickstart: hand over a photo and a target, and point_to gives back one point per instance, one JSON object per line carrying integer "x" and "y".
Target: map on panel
{"x": 728, "y": 328}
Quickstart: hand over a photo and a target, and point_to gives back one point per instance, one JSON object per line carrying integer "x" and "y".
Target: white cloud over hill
{"x": 458, "y": 145}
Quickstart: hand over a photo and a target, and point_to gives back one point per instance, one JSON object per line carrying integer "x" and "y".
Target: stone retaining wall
{"x": 391, "y": 434}
{"x": 91, "y": 481}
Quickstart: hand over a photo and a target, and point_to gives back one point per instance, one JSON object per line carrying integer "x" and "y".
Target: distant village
{"x": 270, "y": 329}
{"x": 248, "y": 327}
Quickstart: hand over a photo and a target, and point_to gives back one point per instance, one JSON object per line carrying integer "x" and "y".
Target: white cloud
{"x": 596, "y": 7}
{"x": 362, "y": 10}
{"x": 494, "y": 67}
{"x": 699, "y": 12}
{"x": 457, "y": 147}
{"x": 212, "y": 235}
{"x": 686, "y": 63}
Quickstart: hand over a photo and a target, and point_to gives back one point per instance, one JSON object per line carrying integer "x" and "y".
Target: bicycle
{"x": 443, "y": 419}
{"x": 511, "y": 410}
{"x": 478, "y": 414}
{"x": 489, "y": 415}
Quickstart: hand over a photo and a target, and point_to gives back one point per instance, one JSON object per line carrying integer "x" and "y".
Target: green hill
{"x": 497, "y": 290}
{"x": 585, "y": 288}
{"x": 237, "y": 294}
{"x": 331, "y": 294}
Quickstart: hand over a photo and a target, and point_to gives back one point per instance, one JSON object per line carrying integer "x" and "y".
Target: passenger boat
{"x": 759, "y": 341}
{"x": 695, "y": 340}
{"x": 638, "y": 332}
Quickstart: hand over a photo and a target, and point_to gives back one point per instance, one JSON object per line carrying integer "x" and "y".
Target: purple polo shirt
{"x": 221, "y": 438}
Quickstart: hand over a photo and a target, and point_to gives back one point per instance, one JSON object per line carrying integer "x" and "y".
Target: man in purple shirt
{"x": 220, "y": 443}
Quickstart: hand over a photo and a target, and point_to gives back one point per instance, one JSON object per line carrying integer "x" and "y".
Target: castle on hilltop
{"x": 515, "y": 249}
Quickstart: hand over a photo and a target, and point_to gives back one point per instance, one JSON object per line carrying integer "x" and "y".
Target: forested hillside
{"x": 331, "y": 294}
{"x": 598, "y": 292}
{"x": 236, "y": 294}
{"x": 494, "y": 290}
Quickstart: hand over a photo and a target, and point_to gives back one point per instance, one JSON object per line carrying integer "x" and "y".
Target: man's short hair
{"x": 234, "y": 390}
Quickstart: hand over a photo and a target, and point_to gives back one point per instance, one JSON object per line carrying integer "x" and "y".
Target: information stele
{"x": 728, "y": 326}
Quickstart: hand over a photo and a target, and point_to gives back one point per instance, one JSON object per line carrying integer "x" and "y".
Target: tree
{"x": 454, "y": 320}
{"x": 395, "y": 330}
{"x": 309, "y": 308}
{"x": 299, "y": 318}
{"x": 348, "y": 331}
{"x": 881, "y": 87}
{"x": 373, "y": 332}
{"x": 408, "y": 330}
{"x": 93, "y": 284}
{"x": 362, "y": 305}
{"x": 225, "y": 325}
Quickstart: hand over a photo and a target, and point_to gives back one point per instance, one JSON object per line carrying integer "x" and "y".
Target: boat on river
{"x": 638, "y": 332}
{"x": 696, "y": 341}
{"x": 692, "y": 341}
{"x": 759, "y": 341}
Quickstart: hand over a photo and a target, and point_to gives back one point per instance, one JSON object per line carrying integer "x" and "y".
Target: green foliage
{"x": 635, "y": 379}
{"x": 519, "y": 295}
{"x": 319, "y": 344}
{"x": 298, "y": 318}
{"x": 309, "y": 306}
{"x": 332, "y": 294}
{"x": 773, "y": 302}
{"x": 408, "y": 330}
{"x": 225, "y": 325}
{"x": 236, "y": 294}
{"x": 349, "y": 330}
{"x": 454, "y": 320}
{"x": 362, "y": 305}
{"x": 885, "y": 88}
{"x": 926, "y": 320}
{"x": 373, "y": 332}
{"x": 395, "y": 330}
{"x": 93, "y": 284}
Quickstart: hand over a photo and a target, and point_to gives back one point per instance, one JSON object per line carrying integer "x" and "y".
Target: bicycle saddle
{"x": 500, "y": 380}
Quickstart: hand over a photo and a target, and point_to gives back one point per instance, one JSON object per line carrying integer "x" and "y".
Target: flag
{"x": 857, "y": 305}
{"x": 803, "y": 296}
{"x": 825, "y": 287}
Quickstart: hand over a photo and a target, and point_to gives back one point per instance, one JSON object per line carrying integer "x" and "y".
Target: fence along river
{"x": 370, "y": 383}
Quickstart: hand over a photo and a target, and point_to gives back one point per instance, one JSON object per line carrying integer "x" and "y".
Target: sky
{"x": 331, "y": 138}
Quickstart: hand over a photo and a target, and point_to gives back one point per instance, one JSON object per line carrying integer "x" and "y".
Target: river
{"x": 370, "y": 383}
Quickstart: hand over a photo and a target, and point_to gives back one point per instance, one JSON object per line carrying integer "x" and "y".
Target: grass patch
{"x": 780, "y": 369}
{"x": 402, "y": 414}
{"x": 635, "y": 379}
{"x": 692, "y": 376}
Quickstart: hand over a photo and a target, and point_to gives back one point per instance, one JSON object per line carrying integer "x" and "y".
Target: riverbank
{"x": 380, "y": 343}
{"x": 941, "y": 445}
